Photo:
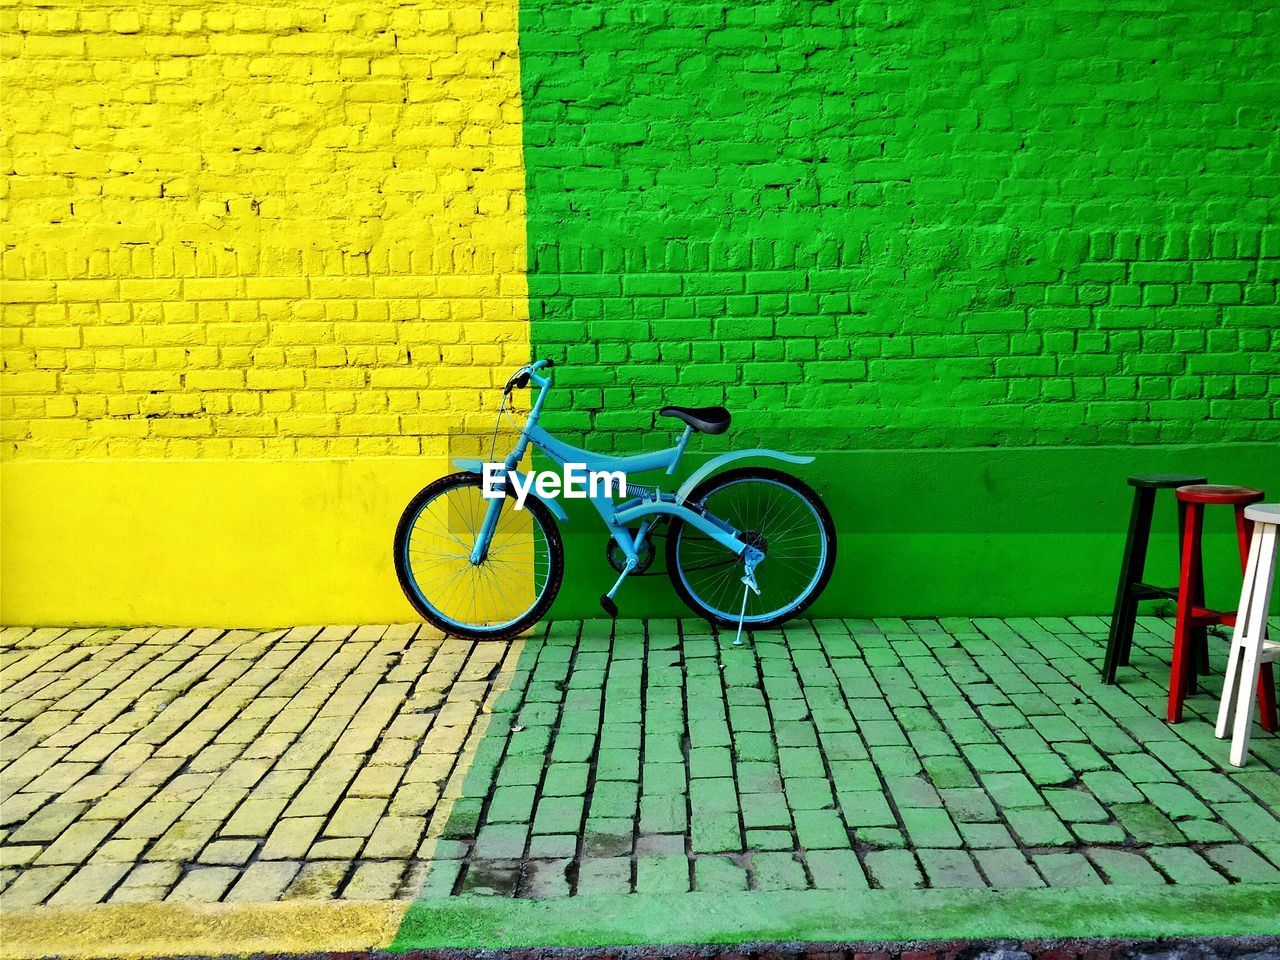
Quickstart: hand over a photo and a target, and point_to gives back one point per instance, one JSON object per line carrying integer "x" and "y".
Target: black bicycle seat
{"x": 711, "y": 420}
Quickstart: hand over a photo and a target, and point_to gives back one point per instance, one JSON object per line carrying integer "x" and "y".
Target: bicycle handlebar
{"x": 522, "y": 376}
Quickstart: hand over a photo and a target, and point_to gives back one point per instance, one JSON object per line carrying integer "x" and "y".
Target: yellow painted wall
{"x": 256, "y": 251}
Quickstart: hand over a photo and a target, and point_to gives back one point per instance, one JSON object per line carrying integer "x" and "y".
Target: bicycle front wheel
{"x": 504, "y": 594}
{"x": 772, "y": 511}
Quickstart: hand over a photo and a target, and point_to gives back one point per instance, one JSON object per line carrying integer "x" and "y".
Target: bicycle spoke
{"x": 514, "y": 573}
{"x": 793, "y": 540}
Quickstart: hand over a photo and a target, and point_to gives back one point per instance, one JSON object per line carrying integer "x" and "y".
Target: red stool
{"x": 1192, "y": 613}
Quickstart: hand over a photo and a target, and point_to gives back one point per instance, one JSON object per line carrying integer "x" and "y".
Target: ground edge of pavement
{"x": 212, "y": 929}
{"x": 839, "y": 916}
{"x": 635, "y": 920}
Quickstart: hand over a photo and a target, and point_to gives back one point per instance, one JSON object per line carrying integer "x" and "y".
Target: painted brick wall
{"x": 258, "y": 229}
{"x": 918, "y": 224}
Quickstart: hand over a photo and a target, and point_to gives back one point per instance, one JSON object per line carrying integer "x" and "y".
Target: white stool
{"x": 1250, "y": 648}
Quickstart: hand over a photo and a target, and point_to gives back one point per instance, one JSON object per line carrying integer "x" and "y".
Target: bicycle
{"x": 477, "y": 569}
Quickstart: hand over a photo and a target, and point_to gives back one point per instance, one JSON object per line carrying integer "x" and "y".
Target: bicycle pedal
{"x": 610, "y": 607}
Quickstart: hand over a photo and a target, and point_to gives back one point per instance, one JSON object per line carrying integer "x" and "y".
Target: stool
{"x": 1192, "y": 612}
{"x": 1251, "y": 653}
{"x": 1131, "y": 589}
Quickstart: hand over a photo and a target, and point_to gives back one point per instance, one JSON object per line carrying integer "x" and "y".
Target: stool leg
{"x": 1253, "y": 632}
{"x": 1267, "y": 698}
{"x": 1230, "y": 691}
{"x": 1200, "y": 632}
{"x": 1244, "y": 534}
{"x": 1182, "y": 625}
{"x": 1232, "y": 680}
{"x": 1266, "y": 682}
{"x": 1120, "y": 636}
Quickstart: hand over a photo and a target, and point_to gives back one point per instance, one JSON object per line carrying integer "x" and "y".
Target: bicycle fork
{"x": 480, "y": 551}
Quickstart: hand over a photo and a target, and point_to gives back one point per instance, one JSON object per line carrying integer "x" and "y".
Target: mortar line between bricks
{"x": 539, "y": 787}
{"x": 889, "y": 797}
{"x": 435, "y": 654}
{"x": 187, "y": 866}
{"x": 1181, "y": 729}
{"x": 858, "y": 847}
{"x": 445, "y": 814}
{"x": 487, "y": 798}
{"x": 352, "y": 864}
{"x": 686, "y": 744}
{"x": 180, "y": 771}
{"x": 459, "y": 769}
{"x": 798, "y": 854}
{"x": 718, "y": 637}
{"x": 686, "y": 753}
{"x": 850, "y": 832}
{"x": 1198, "y": 846}
{"x": 1214, "y": 766}
{"x": 376, "y": 742}
{"x": 1027, "y": 850}
{"x": 160, "y": 787}
{"x": 6, "y": 792}
{"x": 1132, "y": 844}
{"x": 646, "y": 634}
{"x": 297, "y": 735}
{"x": 173, "y": 667}
{"x": 1000, "y": 812}
{"x": 437, "y": 819}
{"x": 37, "y": 655}
{"x": 593, "y": 769}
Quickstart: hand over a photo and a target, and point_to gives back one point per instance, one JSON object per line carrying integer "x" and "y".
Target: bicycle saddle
{"x": 711, "y": 420}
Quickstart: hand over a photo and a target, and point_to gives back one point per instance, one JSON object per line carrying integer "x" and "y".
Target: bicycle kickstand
{"x": 748, "y": 584}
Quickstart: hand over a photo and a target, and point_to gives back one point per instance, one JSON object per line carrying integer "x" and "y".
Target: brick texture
{"x": 255, "y": 229}
{"x": 917, "y": 224}
{"x": 840, "y": 755}
{"x": 246, "y": 229}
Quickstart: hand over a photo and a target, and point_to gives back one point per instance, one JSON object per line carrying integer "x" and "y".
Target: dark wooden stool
{"x": 1192, "y": 612}
{"x": 1132, "y": 590}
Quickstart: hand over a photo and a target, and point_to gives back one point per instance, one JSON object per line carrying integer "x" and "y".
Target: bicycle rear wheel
{"x": 773, "y": 511}
{"x": 501, "y": 596}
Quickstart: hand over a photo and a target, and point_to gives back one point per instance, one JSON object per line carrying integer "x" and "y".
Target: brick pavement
{"x": 839, "y": 755}
{"x": 205, "y": 765}
{"x": 381, "y": 763}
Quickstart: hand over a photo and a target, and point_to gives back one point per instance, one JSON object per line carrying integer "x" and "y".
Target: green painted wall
{"x": 890, "y": 231}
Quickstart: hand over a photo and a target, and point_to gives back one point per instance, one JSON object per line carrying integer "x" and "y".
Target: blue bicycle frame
{"x": 641, "y": 506}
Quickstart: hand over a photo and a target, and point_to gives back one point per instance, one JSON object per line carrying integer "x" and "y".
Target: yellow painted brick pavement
{"x": 254, "y": 229}
{"x": 197, "y": 766}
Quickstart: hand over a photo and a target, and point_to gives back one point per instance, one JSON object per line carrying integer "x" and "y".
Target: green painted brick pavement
{"x": 640, "y": 809}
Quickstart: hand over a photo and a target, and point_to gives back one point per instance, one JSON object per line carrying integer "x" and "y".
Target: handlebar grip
{"x": 522, "y": 381}
{"x": 541, "y": 364}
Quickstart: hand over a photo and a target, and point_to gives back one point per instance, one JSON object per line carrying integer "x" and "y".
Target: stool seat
{"x": 1219, "y": 493}
{"x": 1162, "y": 481}
{"x": 1263, "y": 513}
